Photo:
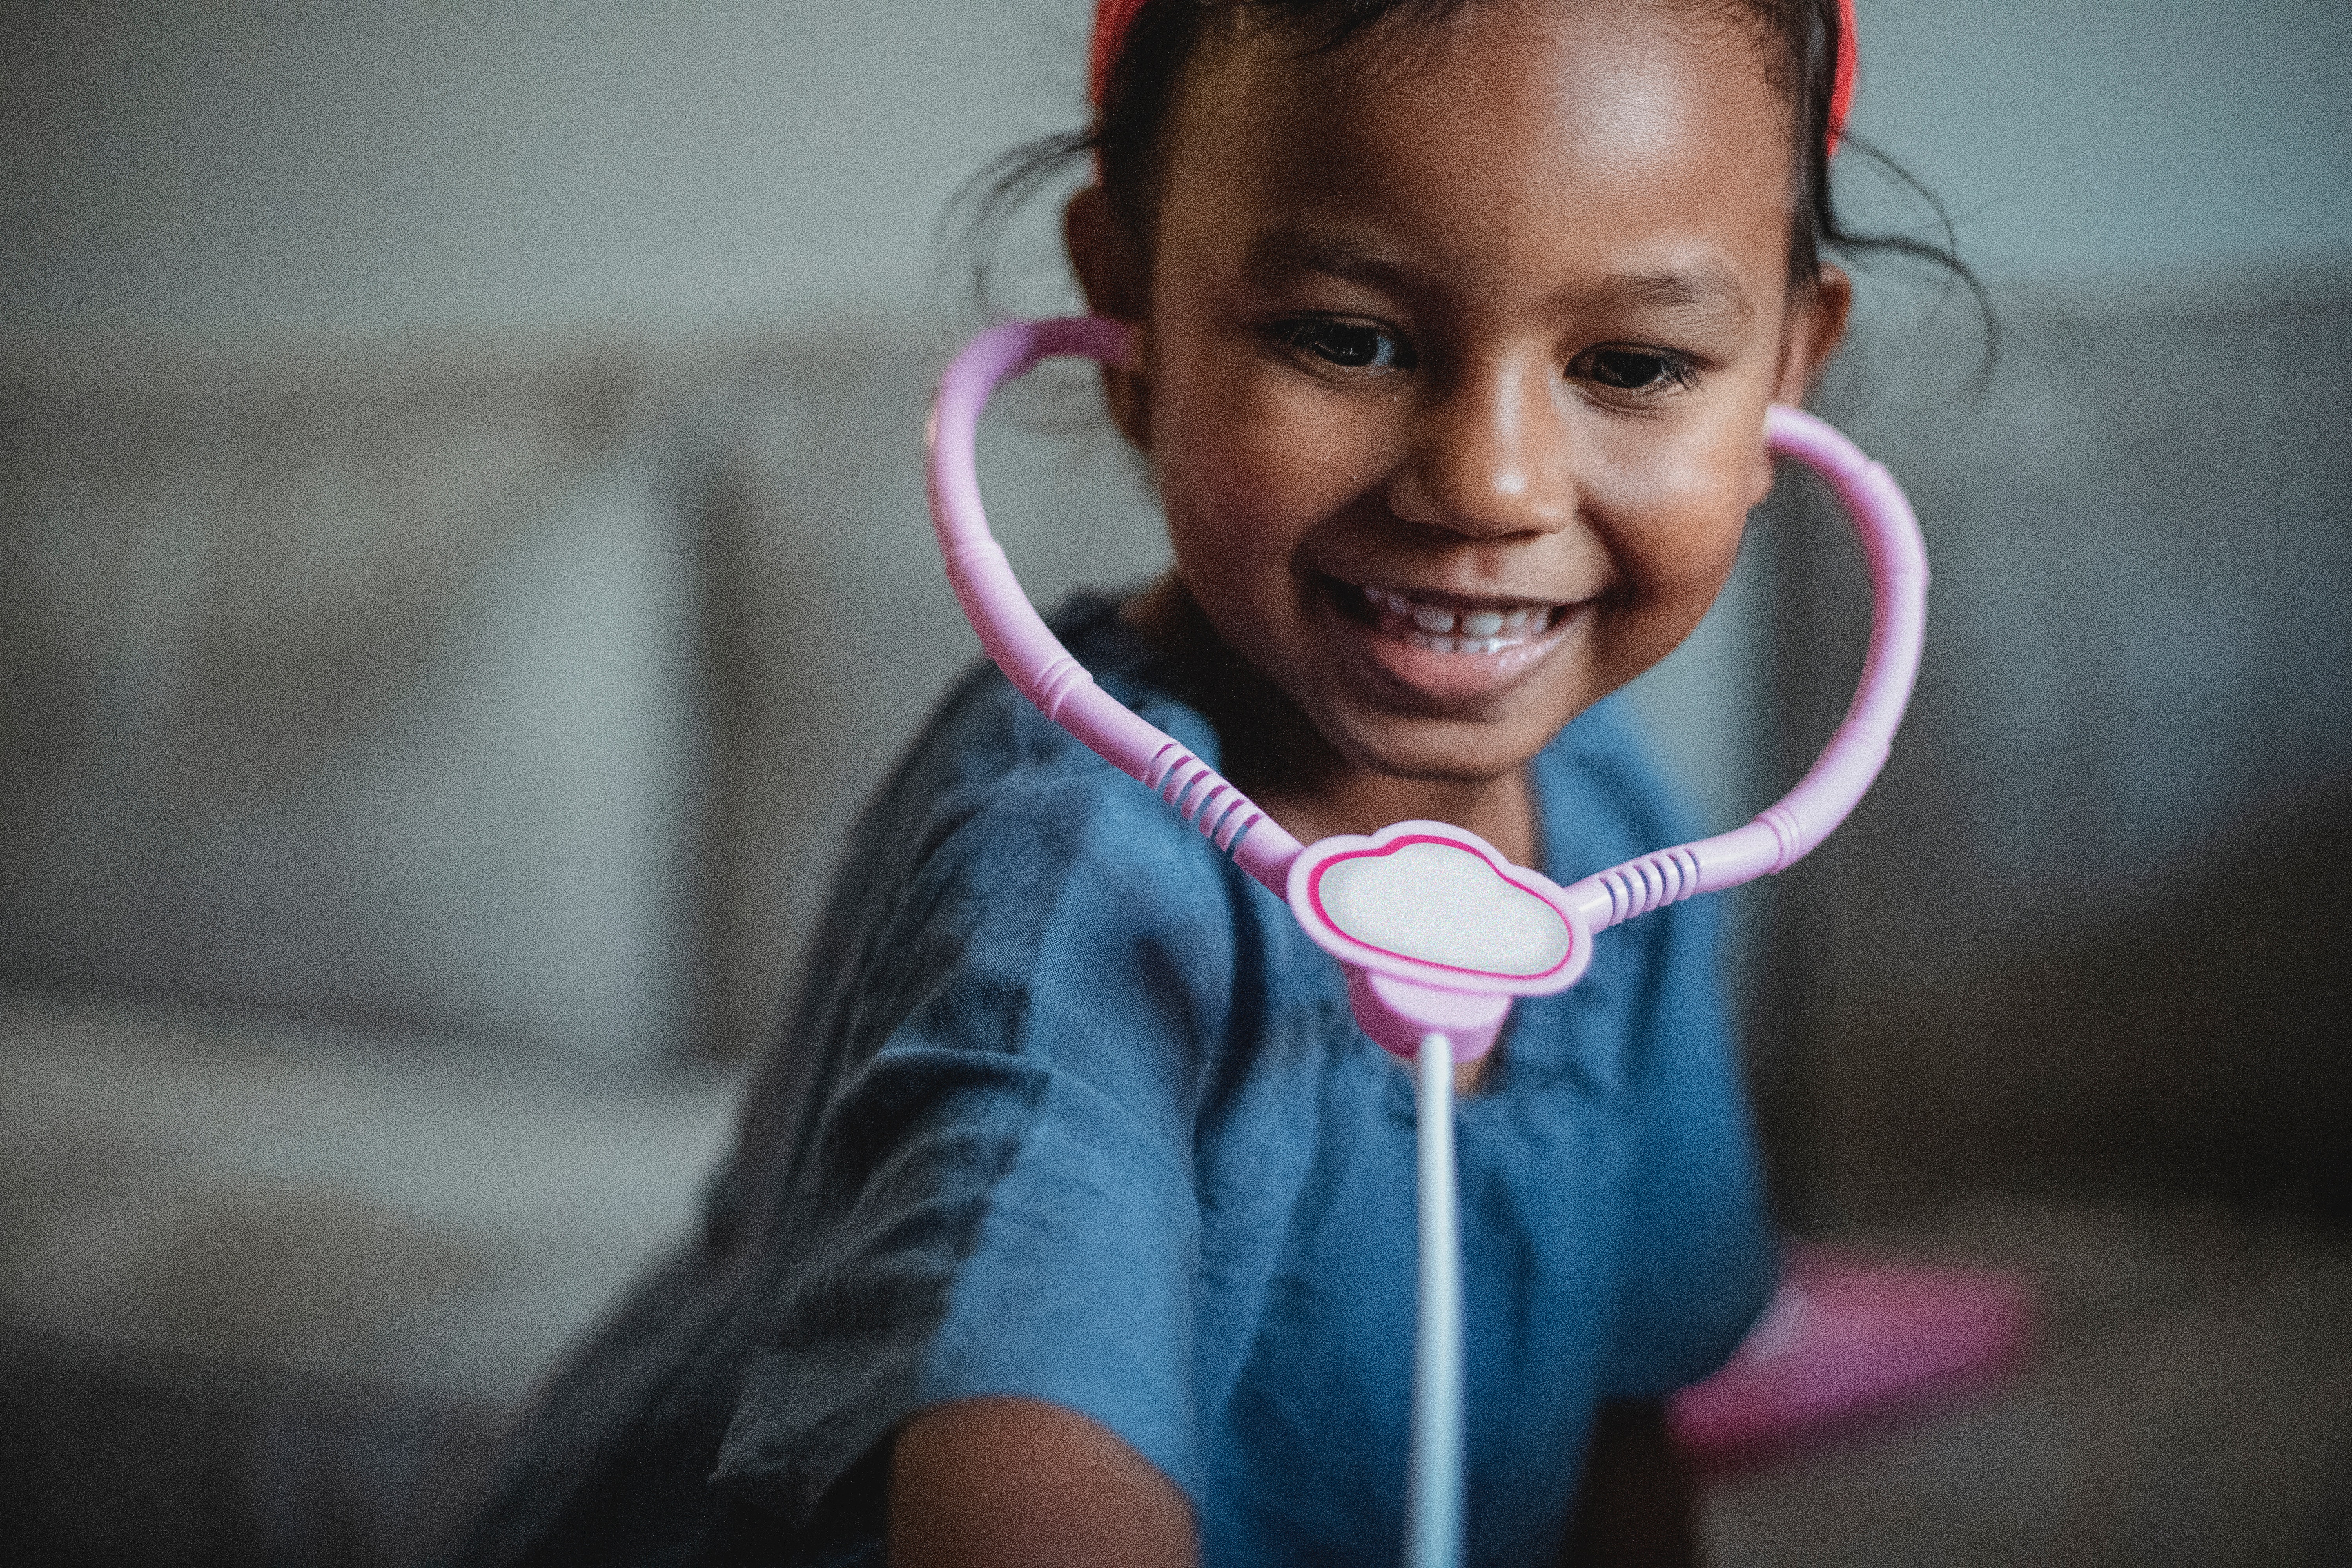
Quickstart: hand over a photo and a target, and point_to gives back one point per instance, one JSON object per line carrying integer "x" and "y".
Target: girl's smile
{"x": 1447, "y": 648}
{"x": 1453, "y": 444}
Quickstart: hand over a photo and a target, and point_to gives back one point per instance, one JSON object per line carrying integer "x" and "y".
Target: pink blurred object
{"x": 1847, "y": 1339}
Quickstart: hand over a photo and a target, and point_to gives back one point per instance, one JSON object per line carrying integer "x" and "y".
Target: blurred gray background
{"x": 284, "y": 169}
{"x": 462, "y": 562}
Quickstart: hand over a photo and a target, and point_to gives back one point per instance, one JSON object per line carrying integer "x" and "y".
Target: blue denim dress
{"x": 1068, "y": 1108}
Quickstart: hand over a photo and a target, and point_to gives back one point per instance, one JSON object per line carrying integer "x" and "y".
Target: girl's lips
{"x": 1449, "y": 651}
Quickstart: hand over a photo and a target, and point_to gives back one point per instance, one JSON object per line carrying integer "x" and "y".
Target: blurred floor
{"x": 2189, "y": 1402}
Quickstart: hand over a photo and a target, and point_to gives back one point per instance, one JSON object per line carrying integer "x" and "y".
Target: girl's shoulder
{"x": 984, "y": 736}
{"x": 988, "y": 775}
{"x": 999, "y": 835}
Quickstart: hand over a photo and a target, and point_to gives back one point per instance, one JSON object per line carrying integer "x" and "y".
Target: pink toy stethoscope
{"x": 1435, "y": 930}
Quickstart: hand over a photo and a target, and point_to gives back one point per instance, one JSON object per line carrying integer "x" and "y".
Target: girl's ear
{"x": 1115, "y": 280}
{"x": 1816, "y": 327}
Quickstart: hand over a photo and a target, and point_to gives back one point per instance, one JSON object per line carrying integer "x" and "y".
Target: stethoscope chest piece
{"x": 1437, "y": 932}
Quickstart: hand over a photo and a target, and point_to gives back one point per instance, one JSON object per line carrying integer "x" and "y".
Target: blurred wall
{"x": 2080, "y": 143}
{"x": 389, "y": 165}
{"x": 2092, "y": 927}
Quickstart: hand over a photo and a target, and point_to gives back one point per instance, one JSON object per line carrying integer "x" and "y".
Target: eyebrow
{"x": 1288, "y": 247}
{"x": 1707, "y": 292}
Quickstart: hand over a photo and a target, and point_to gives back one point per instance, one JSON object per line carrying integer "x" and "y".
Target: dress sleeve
{"x": 995, "y": 1193}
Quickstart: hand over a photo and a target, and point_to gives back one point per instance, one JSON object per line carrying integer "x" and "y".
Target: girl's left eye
{"x": 1350, "y": 346}
{"x": 1634, "y": 370}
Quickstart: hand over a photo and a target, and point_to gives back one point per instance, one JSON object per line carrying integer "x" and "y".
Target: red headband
{"x": 1114, "y": 17}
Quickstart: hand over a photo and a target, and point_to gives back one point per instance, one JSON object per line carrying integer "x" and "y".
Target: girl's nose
{"x": 1488, "y": 457}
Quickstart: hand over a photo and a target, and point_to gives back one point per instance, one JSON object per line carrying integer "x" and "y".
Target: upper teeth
{"x": 1480, "y": 631}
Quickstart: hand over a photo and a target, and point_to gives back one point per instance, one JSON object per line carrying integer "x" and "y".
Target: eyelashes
{"x": 1634, "y": 370}
{"x": 1345, "y": 345}
{"x": 1362, "y": 348}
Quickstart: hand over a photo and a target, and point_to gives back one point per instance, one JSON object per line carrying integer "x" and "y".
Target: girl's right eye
{"x": 1349, "y": 345}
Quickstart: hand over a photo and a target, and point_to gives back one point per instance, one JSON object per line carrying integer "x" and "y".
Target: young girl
{"x": 1072, "y": 1221}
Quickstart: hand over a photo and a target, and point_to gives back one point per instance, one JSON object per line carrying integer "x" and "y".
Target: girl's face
{"x": 1457, "y": 351}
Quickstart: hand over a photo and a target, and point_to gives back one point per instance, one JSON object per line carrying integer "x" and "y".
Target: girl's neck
{"x": 1277, "y": 755}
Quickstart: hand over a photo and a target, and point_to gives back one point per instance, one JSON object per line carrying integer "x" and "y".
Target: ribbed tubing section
{"x": 1199, "y": 795}
{"x": 1651, "y": 883}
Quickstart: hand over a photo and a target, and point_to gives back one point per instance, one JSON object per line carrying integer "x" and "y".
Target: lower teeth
{"x": 1461, "y": 644}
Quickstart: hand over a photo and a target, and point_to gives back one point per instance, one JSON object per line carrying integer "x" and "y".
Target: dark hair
{"x": 1800, "y": 38}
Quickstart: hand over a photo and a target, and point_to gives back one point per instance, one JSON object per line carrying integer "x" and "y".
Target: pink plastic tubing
{"x": 1037, "y": 663}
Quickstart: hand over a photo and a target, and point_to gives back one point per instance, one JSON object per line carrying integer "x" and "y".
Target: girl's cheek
{"x": 1263, "y": 458}
{"x": 1229, "y": 482}
{"x": 1676, "y": 522}
{"x": 1684, "y": 482}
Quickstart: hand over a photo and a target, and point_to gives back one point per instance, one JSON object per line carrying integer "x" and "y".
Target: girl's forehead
{"x": 1635, "y": 69}
{"x": 1569, "y": 114}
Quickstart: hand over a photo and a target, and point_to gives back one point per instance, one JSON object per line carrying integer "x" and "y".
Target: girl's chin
{"x": 1431, "y": 752}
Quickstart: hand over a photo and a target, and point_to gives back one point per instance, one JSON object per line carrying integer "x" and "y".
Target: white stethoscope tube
{"x": 1433, "y": 1530}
